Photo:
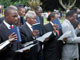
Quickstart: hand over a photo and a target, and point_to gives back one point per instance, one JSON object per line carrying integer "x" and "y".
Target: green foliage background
{"x": 6, "y": 3}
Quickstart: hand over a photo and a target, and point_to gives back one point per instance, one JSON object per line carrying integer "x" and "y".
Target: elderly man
{"x": 11, "y": 17}
{"x": 28, "y": 34}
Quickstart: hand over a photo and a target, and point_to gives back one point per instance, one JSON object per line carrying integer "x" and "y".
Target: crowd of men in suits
{"x": 51, "y": 48}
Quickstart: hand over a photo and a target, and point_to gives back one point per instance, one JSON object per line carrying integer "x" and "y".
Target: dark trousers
{"x": 75, "y": 59}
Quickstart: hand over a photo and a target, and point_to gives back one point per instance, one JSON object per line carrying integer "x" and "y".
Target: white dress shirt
{"x": 7, "y": 25}
{"x": 29, "y": 26}
{"x": 52, "y": 25}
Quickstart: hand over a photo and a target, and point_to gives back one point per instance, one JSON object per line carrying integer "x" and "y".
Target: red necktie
{"x": 11, "y": 26}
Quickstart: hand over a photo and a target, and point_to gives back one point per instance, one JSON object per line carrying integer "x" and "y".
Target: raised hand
{"x": 78, "y": 26}
{"x": 55, "y": 26}
{"x": 13, "y": 35}
{"x": 35, "y": 32}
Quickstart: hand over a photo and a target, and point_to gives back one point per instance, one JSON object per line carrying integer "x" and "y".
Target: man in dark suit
{"x": 11, "y": 16}
{"x": 21, "y": 12}
{"x": 28, "y": 34}
{"x": 39, "y": 18}
{"x": 50, "y": 51}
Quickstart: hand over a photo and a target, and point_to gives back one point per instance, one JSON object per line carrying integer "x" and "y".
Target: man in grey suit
{"x": 70, "y": 49}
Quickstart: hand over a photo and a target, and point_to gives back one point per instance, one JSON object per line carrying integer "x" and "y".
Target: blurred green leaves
{"x": 6, "y": 3}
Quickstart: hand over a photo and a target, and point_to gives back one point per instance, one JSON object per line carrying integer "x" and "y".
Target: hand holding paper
{"x": 42, "y": 38}
{"x": 26, "y": 48}
{"x": 13, "y": 35}
{"x": 38, "y": 27}
{"x": 65, "y": 35}
{"x": 5, "y": 43}
{"x": 17, "y": 32}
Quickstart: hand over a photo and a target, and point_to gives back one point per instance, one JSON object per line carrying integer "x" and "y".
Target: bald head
{"x": 9, "y": 10}
{"x": 38, "y": 10}
{"x": 11, "y": 15}
{"x": 13, "y": 7}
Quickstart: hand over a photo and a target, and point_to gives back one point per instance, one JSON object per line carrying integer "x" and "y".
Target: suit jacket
{"x": 9, "y": 51}
{"x": 56, "y": 21}
{"x": 50, "y": 50}
{"x": 41, "y": 21}
{"x": 22, "y": 21}
{"x": 26, "y": 35}
{"x": 70, "y": 49}
{"x": 1, "y": 19}
{"x": 75, "y": 24}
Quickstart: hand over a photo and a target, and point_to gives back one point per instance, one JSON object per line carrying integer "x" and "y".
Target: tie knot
{"x": 11, "y": 26}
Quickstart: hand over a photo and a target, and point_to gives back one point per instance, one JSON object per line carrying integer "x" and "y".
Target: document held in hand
{"x": 28, "y": 43}
{"x": 37, "y": 26}
{"x": 65, "y": 35}
{"x": 5, "y": 43}
{"x": 43, "y": 37}
{"x": 16, "y": 31}
{"x": 25, "y": 48}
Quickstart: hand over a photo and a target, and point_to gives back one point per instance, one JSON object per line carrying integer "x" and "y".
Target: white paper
{"x": 42, "y": 38}
{"x": 28, "y": 43}
{"x": 26, "y": 48}
{"x": 2, "y": 45}
{"x": 5, "y": 43}
{"x": 78, "y": 15}
{"x": 65, "y": 35}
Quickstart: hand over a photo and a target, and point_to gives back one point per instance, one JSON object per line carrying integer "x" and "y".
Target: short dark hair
{"x": 36, "y": 8}
{"x": 70, "y": 13}
{"x": 50, "y": 16}
{"x": 75, "y": 9}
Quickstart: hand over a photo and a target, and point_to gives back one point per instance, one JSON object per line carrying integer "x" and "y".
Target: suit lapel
{"x": 28, "y": 29}
{"x": 50, "y": 27}
{"x": 5, "y": 29}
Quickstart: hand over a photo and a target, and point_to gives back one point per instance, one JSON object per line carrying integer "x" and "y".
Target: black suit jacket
{"x": 50, "y": 47}
{"x": 42, "y": 24}
{"x": 26, "y": 36}
{"x": 22, "y": 20}
{"x": 8, "y": 53}
{"x": 1, "y": 19}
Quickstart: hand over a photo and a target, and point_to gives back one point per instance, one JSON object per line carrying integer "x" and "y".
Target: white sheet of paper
{"x": 43, "y": 37}
{"x": 26, "y": 44}
{"x": 2, "y": 45}
{"x": 78, "y": 15}
{"x": 26, "y": 48}
{"x": 65, "y": 35}
{"x": 5, "y": 43}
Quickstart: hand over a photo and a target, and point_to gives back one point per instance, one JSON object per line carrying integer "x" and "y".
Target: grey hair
{"x": 30, "y": 14}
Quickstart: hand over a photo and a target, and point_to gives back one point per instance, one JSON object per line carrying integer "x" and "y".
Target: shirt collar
{"x": 29, "y": 26}
{"x": 68, "y": 21}
{"x": 51, "y": 23}
{"x": 7, "y": 25}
